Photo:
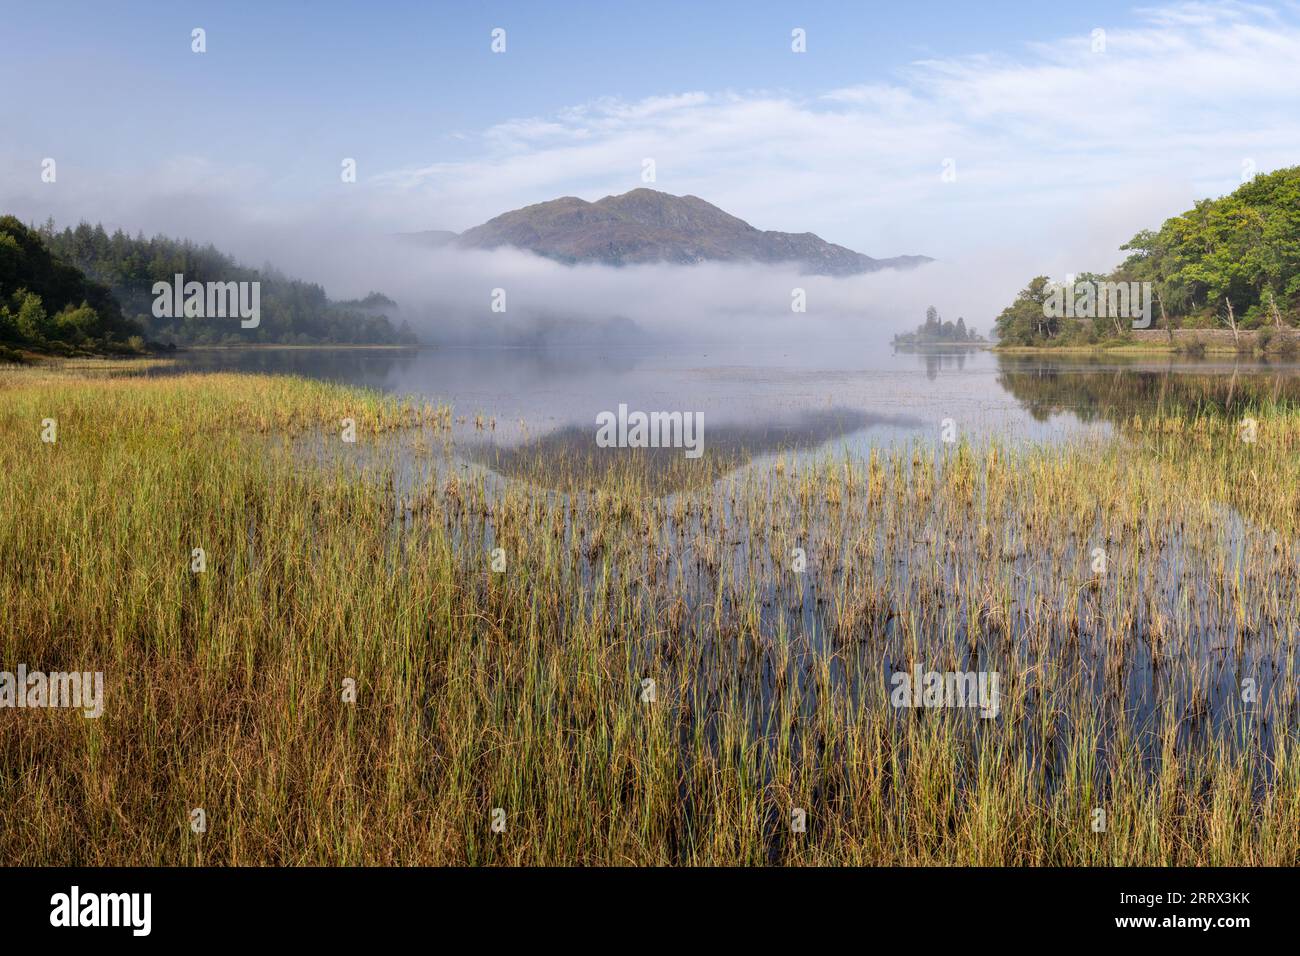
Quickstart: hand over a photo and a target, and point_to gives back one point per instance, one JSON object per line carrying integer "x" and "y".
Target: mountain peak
{"x": 646, "y": 225}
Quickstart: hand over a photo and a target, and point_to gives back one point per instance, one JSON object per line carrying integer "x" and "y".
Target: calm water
{"x": 542, "y": 405}
{"x": 834, "y": 395}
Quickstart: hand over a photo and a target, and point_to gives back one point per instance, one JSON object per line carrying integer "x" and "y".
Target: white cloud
{"x": 1061, "y": 155}
{"x": 1041, "y": 138}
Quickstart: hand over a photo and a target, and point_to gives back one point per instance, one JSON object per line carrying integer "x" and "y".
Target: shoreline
{"x": 938, "y": 348}
{"x": 1127, "y": 350}
{"x": 274, "y": 346}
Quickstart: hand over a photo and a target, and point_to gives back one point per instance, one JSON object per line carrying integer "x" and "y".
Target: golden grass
{"x": 521, "y": 689}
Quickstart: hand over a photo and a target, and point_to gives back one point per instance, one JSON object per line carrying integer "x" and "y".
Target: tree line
{"x": 1232, "y": 262}
{"x": 83, "y": 289}
{"x": 47, "y": 305}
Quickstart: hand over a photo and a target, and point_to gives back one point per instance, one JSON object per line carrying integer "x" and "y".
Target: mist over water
{"x": 447, "y": 295}
{"x": 446, "y": 292}
{"x": 845, "y": 393}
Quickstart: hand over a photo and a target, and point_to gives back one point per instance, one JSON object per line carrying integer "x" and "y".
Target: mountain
{"x": 645, "y": 225}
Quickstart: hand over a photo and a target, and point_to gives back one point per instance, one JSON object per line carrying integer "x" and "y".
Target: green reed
{"x": 522, "y": 689}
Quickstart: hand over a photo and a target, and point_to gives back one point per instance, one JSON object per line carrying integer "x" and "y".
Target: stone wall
{"x": 1216, "y": 338}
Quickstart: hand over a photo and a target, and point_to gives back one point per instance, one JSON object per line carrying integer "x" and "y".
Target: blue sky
{"x": 398, "y": 80}
{"x": 1060, "y": 151}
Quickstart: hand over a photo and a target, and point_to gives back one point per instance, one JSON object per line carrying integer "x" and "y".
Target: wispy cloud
{"x": 1062, "y": 149}
{"x": 1139, "y": 121}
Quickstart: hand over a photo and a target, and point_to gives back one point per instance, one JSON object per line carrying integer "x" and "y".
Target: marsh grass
{"x": 522, "y": 689}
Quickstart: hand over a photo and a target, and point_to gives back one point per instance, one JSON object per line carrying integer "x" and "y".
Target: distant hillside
{"x": 645, "y": 225}
{"x": 292, "y": 312}
{"x": 375, "y": 303}
{"x": 49, "y": 306}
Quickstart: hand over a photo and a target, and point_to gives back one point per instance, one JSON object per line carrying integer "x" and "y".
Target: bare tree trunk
{"x": 1277, "y": 313}
{"x": 1163, "y": 317}
{"x": 1232, "y": 322}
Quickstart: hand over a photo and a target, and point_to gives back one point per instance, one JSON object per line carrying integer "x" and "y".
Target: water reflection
{"x": 895, "y": 574}
{"x": 567, "y": 458}
{"x": 936, "y": 361}
{"x": 759, "y": 399}
{"x": 1094, "y": 389}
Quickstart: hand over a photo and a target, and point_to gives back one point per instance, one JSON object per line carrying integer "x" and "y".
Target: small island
{"x": 936, "y": 334}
